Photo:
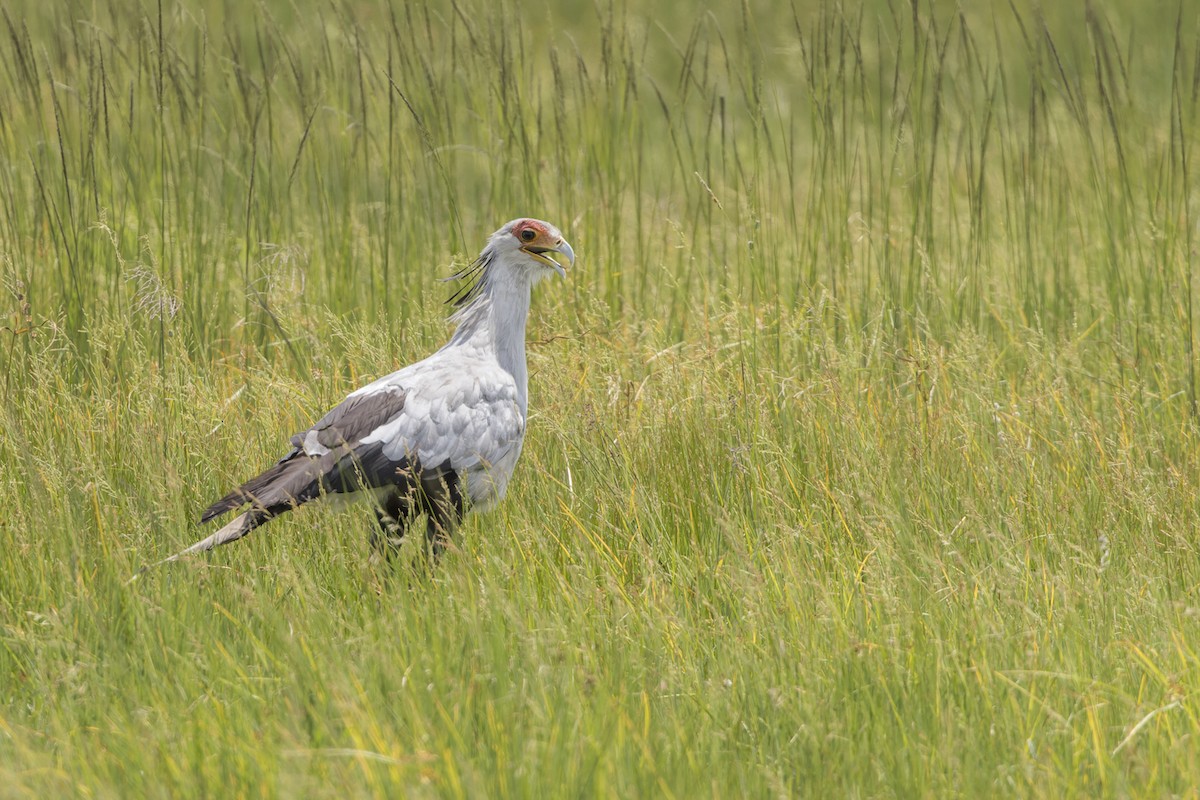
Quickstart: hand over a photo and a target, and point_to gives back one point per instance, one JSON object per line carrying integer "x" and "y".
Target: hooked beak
{"x": 563, "y": 248}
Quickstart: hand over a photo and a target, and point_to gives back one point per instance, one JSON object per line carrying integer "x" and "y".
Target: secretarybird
{"x": 438, "y": 437}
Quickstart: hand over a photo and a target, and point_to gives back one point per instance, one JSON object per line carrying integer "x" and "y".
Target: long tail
{"x": 293, "y": 481}
{"x": 235, "y": 529}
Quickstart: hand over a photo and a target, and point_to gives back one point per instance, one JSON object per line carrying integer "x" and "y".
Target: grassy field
{"x": 864, "y": 448}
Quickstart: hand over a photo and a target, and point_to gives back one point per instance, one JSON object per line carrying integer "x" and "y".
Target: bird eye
{"x": 528, "y": 235}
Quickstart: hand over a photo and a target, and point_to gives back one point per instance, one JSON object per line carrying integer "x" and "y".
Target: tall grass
{"x": 863, "y": 453}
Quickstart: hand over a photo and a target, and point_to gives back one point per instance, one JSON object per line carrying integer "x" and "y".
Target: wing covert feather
{"x": 439, "y": 425}
{"x": 352, "y": 419}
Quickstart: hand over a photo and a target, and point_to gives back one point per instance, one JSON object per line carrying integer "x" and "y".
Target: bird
{"x": 439, "y": 437}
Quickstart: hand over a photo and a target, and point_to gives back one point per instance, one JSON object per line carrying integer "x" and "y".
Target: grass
{"x": 863, "y": 456}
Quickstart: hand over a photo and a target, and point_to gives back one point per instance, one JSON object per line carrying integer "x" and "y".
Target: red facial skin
{"x": 539, "y": 231}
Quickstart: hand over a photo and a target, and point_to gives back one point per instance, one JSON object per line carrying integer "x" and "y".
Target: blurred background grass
{"x": 863, "y": 452}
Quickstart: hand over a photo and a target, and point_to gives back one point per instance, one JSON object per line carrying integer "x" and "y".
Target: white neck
{"x": 493, "y": 322}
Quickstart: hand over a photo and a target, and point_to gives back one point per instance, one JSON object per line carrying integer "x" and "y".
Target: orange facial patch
{"x": 529, "y": 230}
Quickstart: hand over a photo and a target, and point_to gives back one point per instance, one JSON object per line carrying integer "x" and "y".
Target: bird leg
{"x": 444, "y": 507}
{"x": 393, "y": 516}
{"x": 439, "y": 497}
{"x": 437, "y": 536}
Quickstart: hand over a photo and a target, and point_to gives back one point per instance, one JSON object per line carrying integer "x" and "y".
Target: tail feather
{"x": 235, "y": 529}
{"x": 294, "y": 480}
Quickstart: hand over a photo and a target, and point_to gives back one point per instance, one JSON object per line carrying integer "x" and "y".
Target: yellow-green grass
{"x": 863, "y": 457}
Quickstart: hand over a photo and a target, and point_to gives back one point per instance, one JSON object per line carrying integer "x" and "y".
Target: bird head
{"x": 535, "y": 245}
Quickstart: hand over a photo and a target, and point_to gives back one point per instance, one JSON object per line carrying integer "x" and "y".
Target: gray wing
{"x": 436, "y": 416}
{"x": 352, "y": 419}
{"x": 327, "y": 456}
{"x": 463, "y": 417}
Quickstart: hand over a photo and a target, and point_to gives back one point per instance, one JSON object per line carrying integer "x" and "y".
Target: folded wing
{"x": 434, "y": 417}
